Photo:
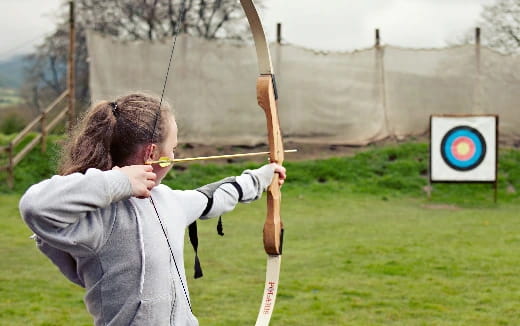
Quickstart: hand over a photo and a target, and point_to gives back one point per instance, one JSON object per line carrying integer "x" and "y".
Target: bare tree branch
{"x": 126, "y": 20}
{"x": 500, "y": 25}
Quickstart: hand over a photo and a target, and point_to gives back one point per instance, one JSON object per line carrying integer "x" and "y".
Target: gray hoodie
{"x": 113, "y": 244}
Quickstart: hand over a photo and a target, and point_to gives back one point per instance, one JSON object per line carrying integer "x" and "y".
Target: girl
{"x": 111, "y": 227}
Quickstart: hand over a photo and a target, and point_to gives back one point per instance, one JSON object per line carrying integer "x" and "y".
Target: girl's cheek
{"x": 162, "y": 172}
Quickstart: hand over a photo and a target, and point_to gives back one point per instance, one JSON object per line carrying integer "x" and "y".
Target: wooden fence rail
{"x": 41, "y": 137}
{"x": 45, "y": 127}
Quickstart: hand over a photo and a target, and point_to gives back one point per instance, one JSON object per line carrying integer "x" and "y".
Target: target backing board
{"x": 463, "y": 148}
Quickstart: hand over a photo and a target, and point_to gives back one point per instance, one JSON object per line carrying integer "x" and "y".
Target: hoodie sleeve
{"x": 224, "y": 195}
{"x": 72, "y": 213}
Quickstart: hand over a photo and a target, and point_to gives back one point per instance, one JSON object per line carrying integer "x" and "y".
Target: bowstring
{"x": 177, "y": 29}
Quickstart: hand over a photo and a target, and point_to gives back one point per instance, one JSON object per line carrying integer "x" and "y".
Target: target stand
{"x": 464, "y": 149}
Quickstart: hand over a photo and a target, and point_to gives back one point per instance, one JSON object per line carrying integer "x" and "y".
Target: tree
{"x": 125, "y": 20}
{"x": 500, "y": 24}
{"x": 47, "y": 68}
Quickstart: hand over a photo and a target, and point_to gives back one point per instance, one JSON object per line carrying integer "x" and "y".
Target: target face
{"x": 463, "y": 148}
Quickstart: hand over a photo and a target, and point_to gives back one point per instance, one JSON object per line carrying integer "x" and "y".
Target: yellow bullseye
{"x": 463, "y": 148}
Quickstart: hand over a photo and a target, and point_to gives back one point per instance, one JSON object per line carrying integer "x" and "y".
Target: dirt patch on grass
{"x": 441, "y": 206}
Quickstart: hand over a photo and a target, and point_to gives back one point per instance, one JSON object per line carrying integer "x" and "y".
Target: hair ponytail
{"x": 110, "y": 133}
{"x": 89, "y": 145}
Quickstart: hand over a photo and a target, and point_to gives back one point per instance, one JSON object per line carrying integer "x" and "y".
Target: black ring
{"x": 472, "y": 131}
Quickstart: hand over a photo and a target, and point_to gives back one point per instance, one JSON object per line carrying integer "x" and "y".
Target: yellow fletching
{"x": 164, "y": 161}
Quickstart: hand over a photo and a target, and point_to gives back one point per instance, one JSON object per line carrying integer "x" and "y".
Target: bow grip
{"x": 273, "y": 227}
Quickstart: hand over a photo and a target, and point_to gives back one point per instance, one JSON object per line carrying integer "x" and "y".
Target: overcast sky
{"x": 322, "y": 25}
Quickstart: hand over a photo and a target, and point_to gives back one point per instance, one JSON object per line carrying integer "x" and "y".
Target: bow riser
{"x": 273, "y": 226}
{"x": 266, "y": 97}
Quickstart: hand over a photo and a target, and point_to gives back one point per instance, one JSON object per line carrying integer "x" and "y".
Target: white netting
{"x": 341, "y": 98}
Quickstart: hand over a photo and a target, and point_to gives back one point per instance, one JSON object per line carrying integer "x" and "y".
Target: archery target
{"x": 463, "y": 148}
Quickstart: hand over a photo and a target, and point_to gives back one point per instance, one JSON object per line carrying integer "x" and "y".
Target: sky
{"x": 334, "y": 25}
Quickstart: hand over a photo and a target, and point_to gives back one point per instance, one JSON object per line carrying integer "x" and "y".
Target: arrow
{"x": 165, "y": 161}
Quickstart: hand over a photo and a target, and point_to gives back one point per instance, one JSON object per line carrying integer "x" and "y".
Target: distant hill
{"x": 12, "y": 71}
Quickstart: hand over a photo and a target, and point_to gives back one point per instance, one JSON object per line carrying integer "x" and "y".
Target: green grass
{"x": 32, "y": 292}
{"x": 398, "y": 170}
{"x": 359, "y": 260}
{"x": 363, "y": 246}
{"x": 349, "y": 259}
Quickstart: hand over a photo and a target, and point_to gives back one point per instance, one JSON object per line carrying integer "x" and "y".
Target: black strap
{"x": 208, "y": 206}
{"x": 194, "y": 239}
{"x": 239, "y": 190}
{"x": 220, "y": 227}
{"x": 193, "y": 234}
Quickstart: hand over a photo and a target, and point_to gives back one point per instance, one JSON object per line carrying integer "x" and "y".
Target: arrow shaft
{"x": 215, "y": 157}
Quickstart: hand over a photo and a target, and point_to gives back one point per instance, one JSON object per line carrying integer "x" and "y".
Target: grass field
{"x": 363, "y": 246}
{"x": 349, "y": 260}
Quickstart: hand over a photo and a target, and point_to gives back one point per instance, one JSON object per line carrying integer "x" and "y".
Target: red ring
{"x": 462, "y": 156}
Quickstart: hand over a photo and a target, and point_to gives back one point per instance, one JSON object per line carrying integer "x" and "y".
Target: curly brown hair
{"x": 111, "y": 132}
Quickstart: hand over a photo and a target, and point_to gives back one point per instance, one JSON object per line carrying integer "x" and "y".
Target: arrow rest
{"x": 275, "y": 88}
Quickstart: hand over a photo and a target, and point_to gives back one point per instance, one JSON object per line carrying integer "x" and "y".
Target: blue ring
{"x": 449, "y": 143}
{"x": 477, "y": 139}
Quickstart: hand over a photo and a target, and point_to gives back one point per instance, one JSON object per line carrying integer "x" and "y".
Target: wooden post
{"x": 429, "y": 187}
{"x": 279, "y": 33}
{"x": 497, "y": 135}
{"x": 378, "y": 40}
{"x": 70, "y": 66}
{"x": 43, "y": 130}
{"x": 495, "y": 191}
{"x": 10, "y": 168}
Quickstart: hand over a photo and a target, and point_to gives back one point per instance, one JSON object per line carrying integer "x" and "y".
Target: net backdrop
{"x": 334, "y": 97}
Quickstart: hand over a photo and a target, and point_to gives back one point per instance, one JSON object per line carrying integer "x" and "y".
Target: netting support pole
{"x": 70, "y": 66}
{"x": 477, "y": 87}
{"x": 279, "y": 33}
{"x": 380, "y": 70}
{"x": 477, "y": 49}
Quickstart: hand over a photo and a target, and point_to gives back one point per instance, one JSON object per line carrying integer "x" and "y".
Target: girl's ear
{"x": 151, "y": 153}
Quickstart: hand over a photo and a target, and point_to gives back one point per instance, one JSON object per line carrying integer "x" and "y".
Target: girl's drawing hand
{"x": 141, "y": 178}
